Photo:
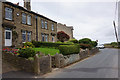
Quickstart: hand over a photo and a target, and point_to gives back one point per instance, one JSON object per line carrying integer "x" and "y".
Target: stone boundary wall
{"x": 59, "y": 61}
{"x": 19, "y": 62}
{"x": 39, "y": 65}
{"x": 44, "y": 64}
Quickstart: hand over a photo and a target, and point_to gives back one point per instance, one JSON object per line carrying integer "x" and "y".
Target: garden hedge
{"x": 48, "y": 44}
{"x": 69, "y": 49}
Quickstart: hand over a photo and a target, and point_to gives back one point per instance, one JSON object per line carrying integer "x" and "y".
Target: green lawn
{"x": 46, "y": 51}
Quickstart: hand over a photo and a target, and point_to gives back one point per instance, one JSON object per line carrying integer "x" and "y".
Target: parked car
{"x": 101, "y": 46}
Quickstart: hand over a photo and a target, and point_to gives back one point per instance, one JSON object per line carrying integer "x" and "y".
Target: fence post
{"x": 61, "y": 60}
{"x": 50, "y": 58}
{"x": 57, "y": 60}
{"x": 36, "y": 65}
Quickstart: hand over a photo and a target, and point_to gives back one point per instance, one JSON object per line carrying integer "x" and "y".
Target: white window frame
{"x": 8, "y": 13}
{"x": 24, "y": 17}
{"x": 46, "y": 25}
{"x": 28, "y": 19}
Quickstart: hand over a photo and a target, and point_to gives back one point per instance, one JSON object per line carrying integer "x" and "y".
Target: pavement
{"x": 102, "y": 65}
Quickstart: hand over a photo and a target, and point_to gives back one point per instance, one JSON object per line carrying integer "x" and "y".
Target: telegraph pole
{"x": 115, "y": 31}
{"x": 116, "y": 34}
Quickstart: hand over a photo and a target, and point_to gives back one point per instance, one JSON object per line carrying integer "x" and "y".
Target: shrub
{"x": 113, "y": 44}
{"x": 26, "y": 53}
{"x": 28, "y": 44}
{"x": 84, "y": 46}
{"x": 73, "y": 40}
{"x": 69, "y": 49}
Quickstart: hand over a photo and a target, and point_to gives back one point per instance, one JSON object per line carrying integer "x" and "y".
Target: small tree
{"x": 62, "y": 36}
{"x": 85, "y": 41}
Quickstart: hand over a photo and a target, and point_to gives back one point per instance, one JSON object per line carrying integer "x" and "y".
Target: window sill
{"x": 23, "y": 42}
{"x": 9, "y": 19}
{"x": 45, "y": 28}
{"x": 26, "y": 24}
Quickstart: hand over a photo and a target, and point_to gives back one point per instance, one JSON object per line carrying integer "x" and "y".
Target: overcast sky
{"x": 90, "y": 18}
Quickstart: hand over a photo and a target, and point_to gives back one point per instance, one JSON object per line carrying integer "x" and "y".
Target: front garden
{"x": 40, "y": 57}
{"x": 30, "y": 49}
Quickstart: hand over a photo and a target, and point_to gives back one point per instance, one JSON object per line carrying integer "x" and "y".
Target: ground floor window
{"x": 42, "y": 37}
{"x": 23, "y": 36}
{"x": 29, "y": 36}
{"x": 53, "y": 39}
{"x": 46, "y": 38}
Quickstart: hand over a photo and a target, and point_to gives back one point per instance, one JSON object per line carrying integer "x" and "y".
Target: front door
{"x": 8, "y": 38}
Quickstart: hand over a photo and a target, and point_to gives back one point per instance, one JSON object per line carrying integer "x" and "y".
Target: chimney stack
{"x": 27, "y": 4}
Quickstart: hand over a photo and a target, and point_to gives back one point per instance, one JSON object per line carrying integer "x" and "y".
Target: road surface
{"x": 102, "y": 65}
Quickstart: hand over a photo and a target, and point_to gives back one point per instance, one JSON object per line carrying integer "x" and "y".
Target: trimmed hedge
{"x": 48, "y": 44}
{"x": 69, "y": 49}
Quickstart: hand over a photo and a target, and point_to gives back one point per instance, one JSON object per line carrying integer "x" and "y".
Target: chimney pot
{"x": 27, "y": 4}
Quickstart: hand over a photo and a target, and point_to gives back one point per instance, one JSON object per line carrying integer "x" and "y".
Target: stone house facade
{"x": 67, "y": 29}
{"x": 20, "y": 24}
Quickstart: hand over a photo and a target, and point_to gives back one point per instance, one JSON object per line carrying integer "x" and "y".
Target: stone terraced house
{"x": 20, "y": 24}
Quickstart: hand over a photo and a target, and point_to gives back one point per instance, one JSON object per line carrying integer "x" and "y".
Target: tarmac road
{"x": 102, "y": 65}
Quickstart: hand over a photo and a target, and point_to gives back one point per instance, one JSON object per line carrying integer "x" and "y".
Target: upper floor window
{"x": 52, "y": 27}
{"x": 29, "y": 20}
{"x": 42, "y": 23}
{"x": 23, "y": 18}
{"x": 8, "y": 13}
{"x": 45, "y": 24}
{"x": 29, "y": 36}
